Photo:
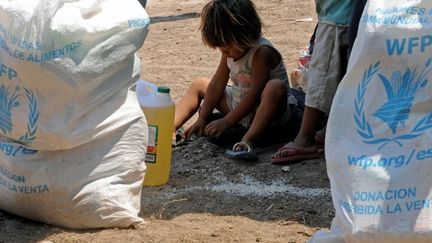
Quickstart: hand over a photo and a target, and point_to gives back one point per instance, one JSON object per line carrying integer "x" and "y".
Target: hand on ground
{"x": 197, "y": 128}
{"x": 216, "y": 128}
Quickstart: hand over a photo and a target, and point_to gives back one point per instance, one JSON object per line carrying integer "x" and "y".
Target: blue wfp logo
{"x": 8, "y": 101}
{"x": 401, "y": 89}
{"x": 10, "y": 98}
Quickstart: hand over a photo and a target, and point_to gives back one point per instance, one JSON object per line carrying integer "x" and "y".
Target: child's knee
{"x": 275, "y": 89}
{"x": 199, "y": 84}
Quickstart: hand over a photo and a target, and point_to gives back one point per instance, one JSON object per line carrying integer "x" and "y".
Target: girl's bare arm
{"x": 212, "y": 98}
{"x": 264, "y": 60}
{"x": 215, "y": 89}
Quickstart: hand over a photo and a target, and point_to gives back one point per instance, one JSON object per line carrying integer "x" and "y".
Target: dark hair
{"x": 226, "y": 23}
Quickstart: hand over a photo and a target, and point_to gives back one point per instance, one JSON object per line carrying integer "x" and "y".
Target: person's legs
{"x": 320, "y": 136}
{"x": 190, "y": 102}
{"x": 310, "y": 125}
{"x": 304, "y": 145}
{"x": 316, "y": 96}
{"x": 272, "y": 106}
{"x": 326, "y": 70}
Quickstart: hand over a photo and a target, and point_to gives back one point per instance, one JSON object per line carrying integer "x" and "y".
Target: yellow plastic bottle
{"x": 159, "y": 110}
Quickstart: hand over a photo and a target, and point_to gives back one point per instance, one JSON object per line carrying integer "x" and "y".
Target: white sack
{"x": 95, "y": 185}
{"x": 379, "y": 133}
{"x": 61, "y": 61}
{"x": 72, "y": 135}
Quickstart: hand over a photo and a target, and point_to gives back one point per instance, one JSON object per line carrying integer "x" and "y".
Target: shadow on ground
{"x": 159, "y": 19}
{"x": 204, "y": 181}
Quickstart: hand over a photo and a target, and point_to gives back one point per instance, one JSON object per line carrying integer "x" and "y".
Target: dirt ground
{"x": 210, "y": 198}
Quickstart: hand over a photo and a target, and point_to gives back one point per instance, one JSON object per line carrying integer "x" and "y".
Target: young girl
{"x": 259, "y": 95}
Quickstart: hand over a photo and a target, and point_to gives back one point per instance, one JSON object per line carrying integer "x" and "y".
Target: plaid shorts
{"x": 328, "y": 65}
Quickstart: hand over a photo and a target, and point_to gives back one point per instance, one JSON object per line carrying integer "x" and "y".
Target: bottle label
{"x": 152, "y": 144}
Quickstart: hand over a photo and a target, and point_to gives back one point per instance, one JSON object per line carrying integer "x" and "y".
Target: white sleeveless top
{"x": 240, "y": 76}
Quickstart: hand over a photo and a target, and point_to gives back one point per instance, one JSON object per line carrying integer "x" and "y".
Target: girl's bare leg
{"x": 272, "y": 105}
{"x": 190, "y": 102}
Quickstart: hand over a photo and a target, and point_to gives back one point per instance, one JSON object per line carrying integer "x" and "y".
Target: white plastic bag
{"x": 379, "y": 133}
{"x": 72, "y": 135}
{"x": 298, "y": 76}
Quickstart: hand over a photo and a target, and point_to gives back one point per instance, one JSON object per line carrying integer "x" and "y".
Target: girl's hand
{"x": 216, "y": 128}
{"x": 197, "y": 128}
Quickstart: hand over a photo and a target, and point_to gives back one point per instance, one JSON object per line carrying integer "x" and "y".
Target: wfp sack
{"x": 61, "y": 62}
{"x": 72, "y": 135}
{"x": 95, "y": 185}
{"x": 379, "y": 133}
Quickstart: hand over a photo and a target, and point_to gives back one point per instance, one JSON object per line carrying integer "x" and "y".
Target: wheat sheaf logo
{"x": 8, "y": 101}
{"x": 401, "y": 89}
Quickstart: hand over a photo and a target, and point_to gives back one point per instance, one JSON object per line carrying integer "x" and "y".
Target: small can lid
{"x": 163, "y": 89}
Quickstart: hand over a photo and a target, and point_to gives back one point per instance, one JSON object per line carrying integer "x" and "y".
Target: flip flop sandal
{"x": 180, "y": 138}
{"x": 297, "y": 153}
{"x": 242, "y": 151}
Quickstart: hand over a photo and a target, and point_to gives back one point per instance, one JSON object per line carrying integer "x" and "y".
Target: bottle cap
{"x": 163, "y": 89}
